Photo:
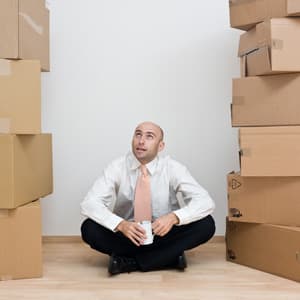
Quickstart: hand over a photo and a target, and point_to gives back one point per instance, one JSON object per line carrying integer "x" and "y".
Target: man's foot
{"x": 121, "y": 264}
{"x": 181, "y": 262}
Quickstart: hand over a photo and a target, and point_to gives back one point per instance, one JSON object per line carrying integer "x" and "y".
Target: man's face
{"x": 147, "y": 142}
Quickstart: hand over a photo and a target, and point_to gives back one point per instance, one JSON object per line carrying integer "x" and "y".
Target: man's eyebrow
{"x": 151, "y": 132}
{"x": 147, "y": 132}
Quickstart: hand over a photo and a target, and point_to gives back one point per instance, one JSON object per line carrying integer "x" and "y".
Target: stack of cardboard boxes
{"x": 25, "y": 153}
{"x": 264, "y": 198}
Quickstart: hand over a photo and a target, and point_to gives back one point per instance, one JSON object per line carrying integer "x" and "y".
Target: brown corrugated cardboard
{"x": 24, "y": 30}
{"x": 272, "y": 200}
{"x": 270, "y": 151}
{"x": 271, "y": 47}
{"x": 266, "y": 100}
{"x": 26, "y": 168}
{"x": 21, "y": 242}
{"x": 20, "y": 96}
{"x": 269, "y": 248}
{"x": 244, "y": 14}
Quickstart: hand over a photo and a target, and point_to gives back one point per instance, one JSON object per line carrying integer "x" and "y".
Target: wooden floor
{"x": 74, "y": 271}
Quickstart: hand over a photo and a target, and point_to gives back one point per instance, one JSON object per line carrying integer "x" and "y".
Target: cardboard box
{"x": 270, "y": 248}
{"x": 266, "y": 100}
{"x": 20, "y": 96}
{"x": 26, "y": 168}
{"x": 270, "y": 151}
{"x": 21, "y": 242}
{"x": 272, "y": 47}
{"x": 272, "y": 200}
{"x": 244, "y": 14}
{"x": 24, "y": 30}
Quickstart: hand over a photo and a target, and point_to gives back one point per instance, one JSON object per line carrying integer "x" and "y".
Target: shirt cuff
{"x": 182, "y": 216}
{"x": 113, "y": 222}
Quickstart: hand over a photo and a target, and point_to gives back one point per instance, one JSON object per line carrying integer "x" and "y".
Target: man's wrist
{"x": 176, "y": 219}
{"x": 120, "y": 225}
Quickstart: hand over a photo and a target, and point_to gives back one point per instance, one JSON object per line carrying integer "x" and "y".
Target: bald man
{"x": 111, "y": 226}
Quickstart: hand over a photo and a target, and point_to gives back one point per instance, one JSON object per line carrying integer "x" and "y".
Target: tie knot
{"x": 144, "y": 170}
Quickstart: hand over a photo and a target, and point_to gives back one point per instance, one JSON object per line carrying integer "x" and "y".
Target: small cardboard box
{"x": 24, "y": 30}
{"x": 245, "y": 14}
{"x": 271, "y": 200}
{"x": 271, "y": 47}
{"x": 26, "y": 168}
{"x": 20, "y": 96}
{"x": 270, "y": 248}
{"x": 266, "y": 100}
{"x": 270, "y": 151}
{"x": 21, "y": 242}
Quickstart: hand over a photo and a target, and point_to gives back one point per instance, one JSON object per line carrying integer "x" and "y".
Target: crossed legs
{"x": 161, "y": 253}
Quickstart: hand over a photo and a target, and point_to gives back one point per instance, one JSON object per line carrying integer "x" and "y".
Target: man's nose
{"x": 142, "y": 140}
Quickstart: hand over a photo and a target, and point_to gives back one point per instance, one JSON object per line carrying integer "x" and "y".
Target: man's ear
{"x": 161, "y": 146}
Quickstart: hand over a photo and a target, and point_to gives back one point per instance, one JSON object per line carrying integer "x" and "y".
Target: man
{"x": 139, "y": 186}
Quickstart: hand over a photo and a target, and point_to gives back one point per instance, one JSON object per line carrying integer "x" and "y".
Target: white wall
{"x": 115, "y": 63}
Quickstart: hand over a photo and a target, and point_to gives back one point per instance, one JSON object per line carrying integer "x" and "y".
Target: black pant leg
{"x": 105, "y": 240}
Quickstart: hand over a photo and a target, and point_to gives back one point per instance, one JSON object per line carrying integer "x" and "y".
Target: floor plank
{"x": 74, "y": 271}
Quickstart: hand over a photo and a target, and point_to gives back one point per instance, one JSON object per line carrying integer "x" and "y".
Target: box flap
{"x": 258, "y": 62}
{"x": 257, "y": 37}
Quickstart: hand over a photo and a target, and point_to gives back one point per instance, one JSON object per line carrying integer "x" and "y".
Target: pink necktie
{"x": 142, "y": 198}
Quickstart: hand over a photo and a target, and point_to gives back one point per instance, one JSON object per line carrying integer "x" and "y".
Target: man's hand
{"x": 163, "y": 225}
{"x": 133, "y": 231}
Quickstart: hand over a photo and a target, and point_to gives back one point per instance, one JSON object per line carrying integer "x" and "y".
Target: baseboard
{"x": 77, "y": 239}
{"x": 62, "y": 239}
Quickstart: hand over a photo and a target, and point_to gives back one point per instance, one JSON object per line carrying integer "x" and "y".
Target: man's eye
{"x": 149, "y": 136}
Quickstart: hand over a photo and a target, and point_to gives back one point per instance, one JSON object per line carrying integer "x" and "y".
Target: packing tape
{"x": 47, "y": 4}
{"x": 37, "y": 28}
{"x": 238, "y": 100}
{"x": 5, "y": 67}
{"x": 4, "y": 213}
{"x": 277, "y": 44}
{"x": 5, "y": 125}
{"x": 240, "y": 2}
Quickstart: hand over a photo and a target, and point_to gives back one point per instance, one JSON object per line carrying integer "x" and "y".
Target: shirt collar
{"x": 135, "y": 164}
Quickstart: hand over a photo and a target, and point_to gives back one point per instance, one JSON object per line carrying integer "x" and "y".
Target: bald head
{"x": 147, "y": 141}
{"x": 153, "y": 127}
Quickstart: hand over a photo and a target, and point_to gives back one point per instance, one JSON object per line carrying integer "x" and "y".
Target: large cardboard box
{"x": 270, "y": 248}
{"x": 244, "y": 14}
{"x": 21, "y": 242}
{"x": 266, "y": 100}
{"x": 270, "y": 151}
{"x": 271, "y": 47}
{"x": 20, "y": 96}
{"x": 24, "y": 30}
{"x": 26, "y": 168}
{"x": 272, "y": 200}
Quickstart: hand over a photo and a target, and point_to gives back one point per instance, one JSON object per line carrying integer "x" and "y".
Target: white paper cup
{"x": 147, "y": 226}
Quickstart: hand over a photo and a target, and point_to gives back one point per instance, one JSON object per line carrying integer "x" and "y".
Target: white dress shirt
{"x": 110, "y": 200}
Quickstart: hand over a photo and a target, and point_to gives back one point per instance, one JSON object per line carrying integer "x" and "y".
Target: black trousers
{"x": 161, "y": 253}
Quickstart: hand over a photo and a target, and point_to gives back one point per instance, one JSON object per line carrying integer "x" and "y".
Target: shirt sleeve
{"x": 96, "y": 205}
{"x": 198, "y": 203}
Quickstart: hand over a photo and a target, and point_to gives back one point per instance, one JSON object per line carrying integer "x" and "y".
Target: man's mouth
{"x": 140, "y": 149}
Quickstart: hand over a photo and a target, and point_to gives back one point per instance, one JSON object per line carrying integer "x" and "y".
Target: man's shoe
{"x": 121, "y": 264}
{"x": 181, "y": 262}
